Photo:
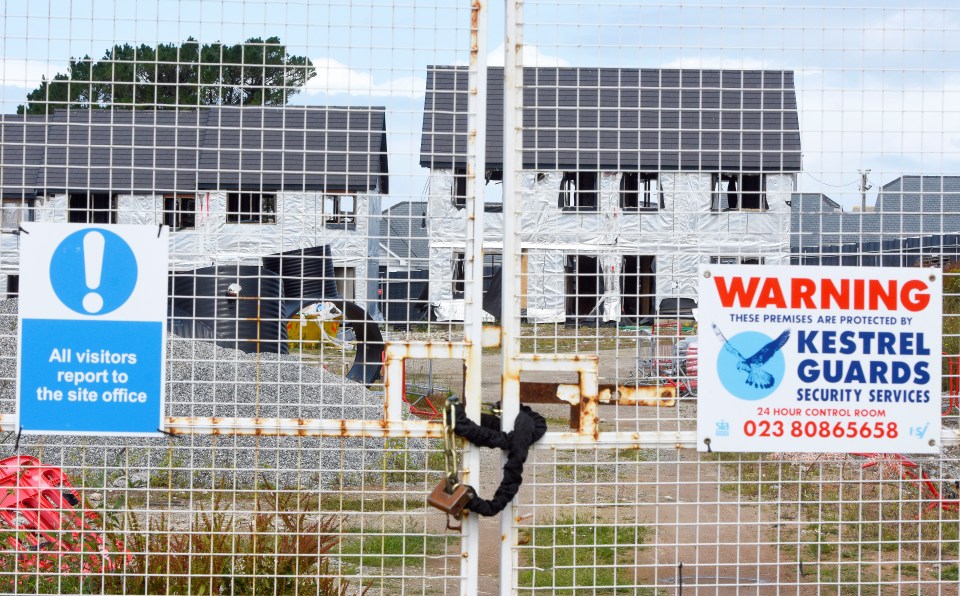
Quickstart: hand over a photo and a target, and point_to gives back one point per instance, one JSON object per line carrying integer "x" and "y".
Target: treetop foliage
{"x": 256, "y": 72}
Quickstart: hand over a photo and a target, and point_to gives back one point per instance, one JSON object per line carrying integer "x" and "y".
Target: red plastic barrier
{"x": 911, "y": 471}
{"x": 953, "y": 383}
{"x": 40, "y": 505}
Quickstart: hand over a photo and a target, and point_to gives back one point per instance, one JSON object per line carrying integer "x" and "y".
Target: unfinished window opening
{"x": 180, "y": 211}
{"x": 459, "y": 188}
{"x": 738, "y": 192}
{"x": 459, "y": 275}
{"x": 13, "y": 286}
{"x": 640, "y": 191}
{"x": 251, "y": 208}
{"x": 492, "y": 264}
{"x": 93, "y": 208}
{"x": 584, "y": 285}
{"x": 734, "y": 260}
{"x": 13, "y": 212}
{"x": 346, "y": 279}
{"x": 340, "y": 211}
{"x": 579, "y": 191}
{"x": 638, "y": 286}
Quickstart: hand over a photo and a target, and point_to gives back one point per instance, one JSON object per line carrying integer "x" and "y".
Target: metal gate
{"x": 374, "y": 207}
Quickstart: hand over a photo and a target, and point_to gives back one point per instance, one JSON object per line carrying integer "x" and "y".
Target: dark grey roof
{"x": 919, "y": 205}
{"x": 294, "y": 148}
{"x": 251, "y": 148}
{"x": 121, "y": 150}
{"x": 403, "y": 230}
{"x": 907, "y": 207}
{"x": 624, "y": 119}
{"x": 21, "y": 142}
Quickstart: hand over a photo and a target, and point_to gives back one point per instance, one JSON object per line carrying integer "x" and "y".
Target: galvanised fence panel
{"x": 374, "y": 209}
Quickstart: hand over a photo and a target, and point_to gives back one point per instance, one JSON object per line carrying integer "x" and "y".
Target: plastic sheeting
{"x": 680, "y": 235}
{"x": 214, "y": 242}
{"x": 9, "y": 253}
{"x": 546, "y": 286}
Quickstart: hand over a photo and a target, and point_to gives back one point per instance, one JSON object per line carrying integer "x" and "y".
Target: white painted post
{"x": 512, "y": 143}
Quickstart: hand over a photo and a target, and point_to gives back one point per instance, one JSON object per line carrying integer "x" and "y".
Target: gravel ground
{"x": 206, "y": 380}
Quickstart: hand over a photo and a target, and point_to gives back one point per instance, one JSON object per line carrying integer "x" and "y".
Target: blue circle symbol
{"x": 93, "y": 271}
{"x": 744, "y": 376}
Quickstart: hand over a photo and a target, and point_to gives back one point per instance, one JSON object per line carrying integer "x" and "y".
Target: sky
{"x": 877, "y": 82}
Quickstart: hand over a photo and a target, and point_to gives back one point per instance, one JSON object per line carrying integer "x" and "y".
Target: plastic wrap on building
{"x": 146, "y": 210}
{"x": 612, "y": 265}
{"x": 546, "y": 303}
{"x": 441, "y": 285}
{"x": 10, "y": 253}
{"x": 51, "y": 209}
{"x": 678, "y": 235}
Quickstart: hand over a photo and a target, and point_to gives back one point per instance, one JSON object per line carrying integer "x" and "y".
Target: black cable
{"x": 528, "y": 428}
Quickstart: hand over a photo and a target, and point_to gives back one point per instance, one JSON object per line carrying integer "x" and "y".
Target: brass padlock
{"x": 451, "y": 499}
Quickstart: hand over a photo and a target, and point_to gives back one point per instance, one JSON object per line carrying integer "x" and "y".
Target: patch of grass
{"x": 578, "y": 554}
{"x": 633, "y": 454}
{"x": 950, "y": 572}
{"x": 402, "y": 465}
{"x": 553, "y": 338}
{"x": 554, "y": 422}
{"x": 876, "y": 522}
{"x": 362, "y": 548}
{"x": 340, "y": 502}
{"x": 277, "y": 548}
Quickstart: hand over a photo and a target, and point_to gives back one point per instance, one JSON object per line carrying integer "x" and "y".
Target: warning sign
{"x": 92, "y": 314}
{"x": 819, "y": 359}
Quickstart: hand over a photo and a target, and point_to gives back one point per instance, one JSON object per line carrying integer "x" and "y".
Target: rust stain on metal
{"x": 624, "y": 395}
{"x": 589, "y": 423}
{"x": 474, "y": 30}
{"x": 343, "y": 428}
{"x": 662, "y": 396}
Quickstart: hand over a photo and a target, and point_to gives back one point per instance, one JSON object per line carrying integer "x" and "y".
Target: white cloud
{"x": 336, "y": 78}
{"x": 19, "y": 72}
{"x": 891, "y": 128}
{"x": 532, "y": 56}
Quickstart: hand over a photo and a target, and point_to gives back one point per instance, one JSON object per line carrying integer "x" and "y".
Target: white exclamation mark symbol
{"x": 93, "y": 267}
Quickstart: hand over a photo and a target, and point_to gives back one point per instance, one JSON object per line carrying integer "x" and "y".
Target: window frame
{"x": 177, "y": 218}
{"x": 458, "y": 189}
{"x": 336, "y": 217}
{"x": 577, "y": 194}
{"x": 235, "y": 208}
{"x": 459, "y": 275}
{"x": 640, "y": 185}
{"x": 717, "y": 192}
{"x": 737, "y": 260}
{"x": 87, "y": 214}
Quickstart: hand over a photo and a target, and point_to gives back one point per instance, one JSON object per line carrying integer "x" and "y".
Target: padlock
{"x": 451, "y": 499}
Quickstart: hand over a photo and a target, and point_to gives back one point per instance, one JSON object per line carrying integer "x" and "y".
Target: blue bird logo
{"x": 753, "y": 366}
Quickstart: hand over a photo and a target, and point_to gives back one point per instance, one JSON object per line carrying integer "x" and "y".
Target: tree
{"x": 255, "y": 73}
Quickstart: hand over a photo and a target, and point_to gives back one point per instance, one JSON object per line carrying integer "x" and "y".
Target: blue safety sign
{"x": 93, "y": 271}
{"x": 92, "y": 316}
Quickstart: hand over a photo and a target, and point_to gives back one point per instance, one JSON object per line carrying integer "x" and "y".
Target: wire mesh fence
{"x": 372, "y": 208}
